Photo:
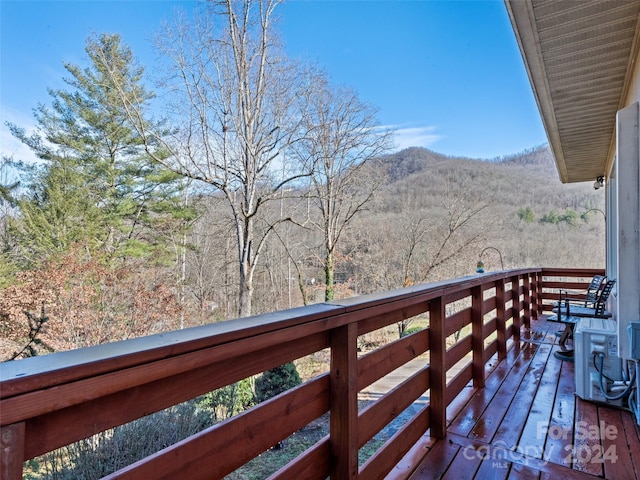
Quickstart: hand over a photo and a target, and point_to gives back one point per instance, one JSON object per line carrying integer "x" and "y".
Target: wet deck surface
{"x": 528, "y": 423}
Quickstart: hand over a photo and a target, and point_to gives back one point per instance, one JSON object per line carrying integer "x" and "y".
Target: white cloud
{"x": 406, "y": 137}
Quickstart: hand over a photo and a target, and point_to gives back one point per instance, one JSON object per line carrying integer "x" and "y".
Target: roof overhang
{"x": 580, "y": 57}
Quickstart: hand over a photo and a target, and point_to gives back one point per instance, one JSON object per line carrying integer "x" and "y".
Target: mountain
{"x": 524, "y": 179}
{"x": 514, "y": 203}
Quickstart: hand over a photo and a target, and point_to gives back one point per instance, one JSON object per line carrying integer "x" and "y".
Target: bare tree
{"x": 237, "y": 98}
{"x": 343, "y": 138}
{"x": 211, "y": 271}
{"x": 427, "y": 243}
{"x": 428, "y": 240}
{"x": 462, "y": 227}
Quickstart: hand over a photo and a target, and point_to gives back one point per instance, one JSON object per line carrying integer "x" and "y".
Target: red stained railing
{"x": 51, "y": 401}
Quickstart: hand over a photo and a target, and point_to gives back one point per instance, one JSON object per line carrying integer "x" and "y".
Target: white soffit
{"x": 579, "y": 55}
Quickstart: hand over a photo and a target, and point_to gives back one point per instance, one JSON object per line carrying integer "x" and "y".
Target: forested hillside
{"x": 430, "y": 219}
{"x": 437, "y": 214}
{"x": 127, "y": 225}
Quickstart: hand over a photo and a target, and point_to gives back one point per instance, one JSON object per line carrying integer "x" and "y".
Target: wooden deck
{"x": 527, "y": 423}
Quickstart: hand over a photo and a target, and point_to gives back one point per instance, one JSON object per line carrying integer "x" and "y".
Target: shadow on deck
{"x": 528, "y": 423}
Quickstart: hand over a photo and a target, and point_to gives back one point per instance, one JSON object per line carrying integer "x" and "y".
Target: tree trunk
{"x": 329, "y": 268}
{"x": 245, "y": 297}
{"x": 245, "y": 293}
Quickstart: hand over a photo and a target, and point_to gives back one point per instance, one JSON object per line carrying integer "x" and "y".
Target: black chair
{"x": 570, "y": 315}
{"x": 586, "y": 308}
{"x": 590, "y": 295}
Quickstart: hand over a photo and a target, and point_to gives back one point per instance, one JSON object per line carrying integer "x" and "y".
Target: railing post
{"x": 12, "y": 451}
{"x": 437, "y": 368}
{"x": 527, "y": 301}
{"x": 534, "y": 295}
{"x": 515, "y": 306}
{"x": 501, "y": 322}
{"x": 344, "y": 402}
{"x": 540, "y": 285}
{"x": 477, "y": 337}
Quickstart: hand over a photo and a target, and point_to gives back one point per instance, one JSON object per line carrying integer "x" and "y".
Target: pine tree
{"x": 58, "y": 212}
{"x": 97, "y": 185}
{"x": 5, "y": 192}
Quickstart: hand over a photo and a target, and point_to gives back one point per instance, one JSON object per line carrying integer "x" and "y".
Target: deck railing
{"x": 51, "y": 401}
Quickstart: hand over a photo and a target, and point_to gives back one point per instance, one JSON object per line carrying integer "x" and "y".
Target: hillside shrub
{"x": 526, "y": 215}
{"x": 571, "y": 218}
{"x": 230, "y": 400}
{"x": 410, "y": 330}
{"x": 551, "y": 217}
{"x": 114, "y": 449}
{"x": 277, "y": 380}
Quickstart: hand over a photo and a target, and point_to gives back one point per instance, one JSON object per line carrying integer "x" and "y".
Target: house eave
{"x": 580, "y": 60}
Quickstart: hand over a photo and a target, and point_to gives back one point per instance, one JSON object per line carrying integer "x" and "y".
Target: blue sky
{"x": 447, "y": 74}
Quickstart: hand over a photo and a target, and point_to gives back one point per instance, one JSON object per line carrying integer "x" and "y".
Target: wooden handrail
{"x": 45, "y": 401}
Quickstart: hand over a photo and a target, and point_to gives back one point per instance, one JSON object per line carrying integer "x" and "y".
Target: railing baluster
{"x": 540, "y": 285}
{"x": 12, "y": 451}
{"x": 533, "y": 285}
{"x": 477, "y": 338}
{"x": 437, "y": 367}
{"x": 501, "y": 323}
{"x": 527, "y": 301}
{"x": 515, "y": 306}
{"x": 344, "y": 402}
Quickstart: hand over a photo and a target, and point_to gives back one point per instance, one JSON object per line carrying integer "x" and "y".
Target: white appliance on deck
{"x": 596, "y": 359}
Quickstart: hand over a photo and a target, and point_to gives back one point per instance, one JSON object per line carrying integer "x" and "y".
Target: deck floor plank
{"x": 533, "y": 436}
{"x": 632, "y": 436}
{"x": 527, "y": 423}
{"x": 520, "y": 472}
{"x": 543, "y": 332}
{"x": 464, "y": 466}
{"x": 559, "y": 432}
{"x": 493, "y": 469}
{"x": 476, "y": 416}
{"x": 510, "y": 430}
{"x": 464, "y": 422}
{"x": 583, "y": 444}
{"x": 494, "y": 414}
{"x": 438, "y": 460}
{"x": 497, "y": 461}
{"x": 615, "y": 454}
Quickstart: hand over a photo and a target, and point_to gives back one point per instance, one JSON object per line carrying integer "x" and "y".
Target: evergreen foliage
{"x": 5, "y": 192}
{"x": 57, "y": 212}
{"x": 98, "y": 199}
{"x": 8, "y": 270}
{"x": 551, "y": 217}
{"x": 526, "y": 215}
{"x": 571, "y": 218}
{"x": 277, "y": 380}
{"x": 230, "y": 400}
{"x": 97, "y": 184}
